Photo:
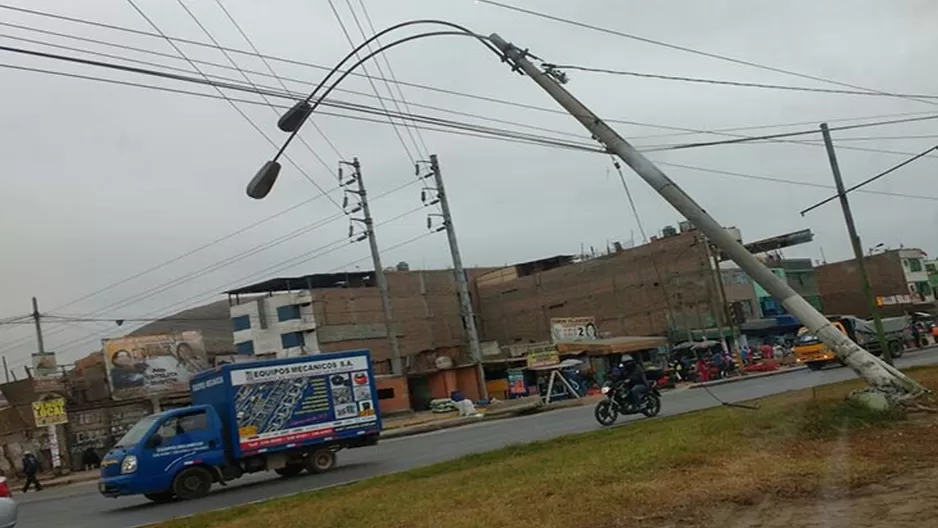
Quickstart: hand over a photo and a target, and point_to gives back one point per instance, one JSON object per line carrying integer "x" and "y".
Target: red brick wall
{"x": 623, "y": 291}
{"x": 841, "y": 287}
{"x": 401, "y": 400}
{"x": 424, "y": 305}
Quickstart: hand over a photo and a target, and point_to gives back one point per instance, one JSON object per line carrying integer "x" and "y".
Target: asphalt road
{"x": 80, "y": 506}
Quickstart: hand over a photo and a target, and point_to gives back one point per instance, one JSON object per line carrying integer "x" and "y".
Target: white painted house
{"x": 916, "y": 275}
{"x": 280, "y": 325}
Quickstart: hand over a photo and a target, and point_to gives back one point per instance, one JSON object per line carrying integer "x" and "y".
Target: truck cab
{"x": 152, "y": 453}
{"x": 284, "y": 415}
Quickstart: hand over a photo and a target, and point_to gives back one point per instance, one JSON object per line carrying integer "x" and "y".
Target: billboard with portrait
{"x": 147, "y": 366}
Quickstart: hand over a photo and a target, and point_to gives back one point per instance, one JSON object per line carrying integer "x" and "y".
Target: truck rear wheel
{"x": 816, "y": 365}
{"x": 321, "y": 461}
{"x": 290, "y": 470}
{"x": 192, "y": 483}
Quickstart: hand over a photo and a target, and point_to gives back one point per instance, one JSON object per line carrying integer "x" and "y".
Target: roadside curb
{"x": 747, "y": 377}
{"x": 459, "y": 422}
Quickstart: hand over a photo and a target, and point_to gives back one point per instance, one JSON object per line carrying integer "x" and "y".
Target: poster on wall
{"x": 516, "y": 384}
{"x": 286, "y": 404}
{"x": 49, "y": 412}
{"x": 147, "y": 366}
{"x": 565, "y": 329}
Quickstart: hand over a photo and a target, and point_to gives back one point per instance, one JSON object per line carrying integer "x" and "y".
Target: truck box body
{"x": 269, "y": 406}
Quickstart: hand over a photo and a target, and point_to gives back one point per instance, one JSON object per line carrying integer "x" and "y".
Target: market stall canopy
{"x": 611, "y": 345}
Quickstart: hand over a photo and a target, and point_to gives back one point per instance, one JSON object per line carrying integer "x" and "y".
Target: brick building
{"x": 342, "y": 311}
{"x": 898, "y": 278}
{"x": 648, "y": 290}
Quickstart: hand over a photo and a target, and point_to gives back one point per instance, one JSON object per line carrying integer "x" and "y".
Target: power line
{"x": 524, "y": 138}
{"x": 290, "y": 263}
{"x": 387, "y": 61}
{"x": 387, "y": 84}
{"x": 593, "y": 149}
{"x": 872, "y": 179}
{"x": 248, "y": 79}
{"x": 168, "y": 285}
{"x": 527, "y": 141}
{"x": 272, "y": 72}
{"x": 280, "y": 79}
{"x": 217, "y": 85}
{"x": 240, "y": 87}
{"x": 374, "y": 87}
{"x": 740, "y": 84}
{"x": 682, "y": 130}
{"x": 250, "y": 121}
{"x": 770, "y": 179}
{"x": 694, "y": 51}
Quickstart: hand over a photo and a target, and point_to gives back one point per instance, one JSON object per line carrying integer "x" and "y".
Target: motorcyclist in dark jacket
{"x": 633, "y": 375}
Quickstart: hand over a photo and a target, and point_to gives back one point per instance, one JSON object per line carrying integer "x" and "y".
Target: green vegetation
{"x": 675, "y": 470}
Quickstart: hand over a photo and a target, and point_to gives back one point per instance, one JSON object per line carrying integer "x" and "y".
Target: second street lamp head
{"x": 293, "y": 118}
{"x": 260, "y": 185}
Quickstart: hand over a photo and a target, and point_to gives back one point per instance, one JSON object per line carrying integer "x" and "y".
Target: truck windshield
{"x": 137, "y": 432}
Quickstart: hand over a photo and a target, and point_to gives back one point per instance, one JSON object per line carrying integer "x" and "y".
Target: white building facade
{"x": 281, "y": 325}
{"x": 916, "y": 275}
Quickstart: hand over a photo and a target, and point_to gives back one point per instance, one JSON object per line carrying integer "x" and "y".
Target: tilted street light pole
{"x": 881, "y": 376}
{"x": 876, "y": 372}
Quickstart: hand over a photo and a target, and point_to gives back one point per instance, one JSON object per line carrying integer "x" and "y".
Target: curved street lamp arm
{"x": 304, "y": 111}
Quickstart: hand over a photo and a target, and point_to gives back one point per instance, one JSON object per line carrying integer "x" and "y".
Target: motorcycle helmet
{"x": 627, "y": 359}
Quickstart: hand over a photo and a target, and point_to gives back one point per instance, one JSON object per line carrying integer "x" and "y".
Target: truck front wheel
{"x": 193, "y": 483}
{"x": 321, "y": 461}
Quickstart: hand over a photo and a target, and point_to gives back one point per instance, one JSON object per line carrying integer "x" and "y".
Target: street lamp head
{"x": 293, "y": 118}
{"x": 264, "y": 180}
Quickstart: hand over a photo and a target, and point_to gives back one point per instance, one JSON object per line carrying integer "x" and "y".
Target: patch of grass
{"x": 649, "y": 472}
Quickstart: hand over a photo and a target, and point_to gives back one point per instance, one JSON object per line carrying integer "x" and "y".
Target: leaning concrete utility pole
{"x": 857, "y": 246}
{"x": 380, "y": 278}
{"x": 462, "y": 283}
{"x": 876, "y": 372}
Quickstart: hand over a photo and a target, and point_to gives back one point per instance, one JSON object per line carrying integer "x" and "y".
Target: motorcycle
{"x": 617, "y": 401}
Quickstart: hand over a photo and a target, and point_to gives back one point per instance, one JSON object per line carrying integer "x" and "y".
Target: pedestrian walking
{"x": 30, "y": 469}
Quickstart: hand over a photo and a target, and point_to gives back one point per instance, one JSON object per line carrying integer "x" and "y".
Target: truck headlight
{"x": 129, "y": 464}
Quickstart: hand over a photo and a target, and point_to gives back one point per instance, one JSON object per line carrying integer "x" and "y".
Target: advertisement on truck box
{"x": 284, "y": 404}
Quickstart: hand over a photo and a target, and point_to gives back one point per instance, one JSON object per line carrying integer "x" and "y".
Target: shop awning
{"x": 611, "y": 345}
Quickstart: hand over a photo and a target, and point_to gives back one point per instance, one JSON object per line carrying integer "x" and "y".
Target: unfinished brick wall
{"x": 625, "y": 291}
{"x": 425, "y": 308}
{"x": 841, "y": 288}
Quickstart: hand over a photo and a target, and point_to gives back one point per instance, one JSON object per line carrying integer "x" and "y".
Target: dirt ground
{"x": 900, "y": 502}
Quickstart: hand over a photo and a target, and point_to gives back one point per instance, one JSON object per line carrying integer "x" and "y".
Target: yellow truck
{"x": 810, "y": 351}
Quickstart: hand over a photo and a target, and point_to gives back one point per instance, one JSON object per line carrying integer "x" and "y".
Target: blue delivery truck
{"x": 284, "y": 415}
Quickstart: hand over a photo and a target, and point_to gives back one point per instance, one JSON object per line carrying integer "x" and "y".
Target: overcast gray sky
{"x": 102, "y": 182}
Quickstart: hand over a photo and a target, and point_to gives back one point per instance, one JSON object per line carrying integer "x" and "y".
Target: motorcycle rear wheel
{"x": 606, "y": 412}
{"x": 652, "y": 406}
